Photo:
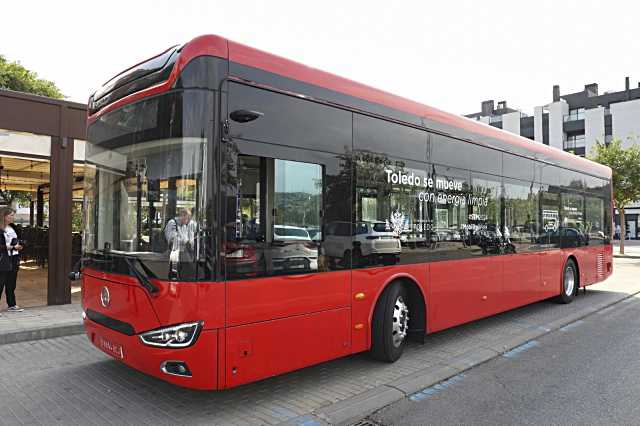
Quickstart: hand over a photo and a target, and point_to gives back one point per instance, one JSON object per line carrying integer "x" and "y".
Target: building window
{"x": 575, "y": 114}
{"x": 574, "y": 141}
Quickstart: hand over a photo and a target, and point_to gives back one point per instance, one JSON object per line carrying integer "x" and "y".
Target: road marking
{"x": 307, "y": 421}
{"x": 432, "y": 390}
{"x": 522, "y": 348}
{"x": 571, "y": 326}
{"x": 607, "y": 309}
{"x": 282, "y": 413}
{"x": 531, "y": 326}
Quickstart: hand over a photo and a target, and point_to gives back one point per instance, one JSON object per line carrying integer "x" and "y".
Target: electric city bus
{"x": 246, "y": 216}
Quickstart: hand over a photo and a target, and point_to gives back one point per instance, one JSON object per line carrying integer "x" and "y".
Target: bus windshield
{"x": 145, "y": 187}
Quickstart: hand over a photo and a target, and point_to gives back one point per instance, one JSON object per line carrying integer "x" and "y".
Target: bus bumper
{"x": 200, "y": 359}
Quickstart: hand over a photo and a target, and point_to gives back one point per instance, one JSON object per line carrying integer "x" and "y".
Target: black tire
{"x": 389, "y": 259}
{"x": 346, "y": 259}
{"x": 569, "y": 286}
{"x": 386, "y": 343}
{"x": 357, "y": 259}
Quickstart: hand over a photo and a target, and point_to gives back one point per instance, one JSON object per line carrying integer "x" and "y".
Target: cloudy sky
{"x": 451, "y": 55}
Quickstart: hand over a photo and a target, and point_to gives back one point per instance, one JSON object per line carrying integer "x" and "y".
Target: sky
{"x": 448, "y": 54}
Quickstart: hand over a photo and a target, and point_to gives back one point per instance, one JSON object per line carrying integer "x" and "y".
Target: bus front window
{"x": 146, "y": 185}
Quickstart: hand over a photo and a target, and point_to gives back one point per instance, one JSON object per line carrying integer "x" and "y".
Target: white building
{"x": 574, "y": 122}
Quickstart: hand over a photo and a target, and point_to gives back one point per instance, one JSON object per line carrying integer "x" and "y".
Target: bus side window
{"x": 549, "y": 218}
{"x": 274, "y": 221}
{"x": 521, "y": 214}
{"x": 595, "y": 220}
{"x": 573, "y": 223}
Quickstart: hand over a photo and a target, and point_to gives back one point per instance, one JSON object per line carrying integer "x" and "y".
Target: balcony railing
{"x": 574, "y": 142}
{"x": 574, "y": 117}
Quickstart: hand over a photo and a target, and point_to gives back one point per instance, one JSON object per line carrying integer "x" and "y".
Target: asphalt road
{"x": 587, "y": 373}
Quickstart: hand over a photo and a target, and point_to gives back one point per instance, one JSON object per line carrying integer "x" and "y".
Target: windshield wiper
{"x": 143, "y": 278}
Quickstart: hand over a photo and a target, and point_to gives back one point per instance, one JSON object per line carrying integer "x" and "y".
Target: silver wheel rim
{"x": 569, "y": 281}
{"x": 400, "y": 321}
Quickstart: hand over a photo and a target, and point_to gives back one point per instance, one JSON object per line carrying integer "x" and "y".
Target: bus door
{"x": 550, "y": 241}
{"x": 520, "y": 233}
{"x": 287, "y": 306}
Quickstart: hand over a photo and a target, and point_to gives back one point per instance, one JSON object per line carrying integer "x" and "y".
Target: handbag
{"x": 5, "y": 258}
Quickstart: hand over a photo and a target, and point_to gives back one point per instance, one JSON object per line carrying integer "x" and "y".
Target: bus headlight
{"x": 177, "y": 336}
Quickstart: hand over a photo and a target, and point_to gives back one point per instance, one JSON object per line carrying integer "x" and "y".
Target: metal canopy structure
{"x": 62, "y": 123}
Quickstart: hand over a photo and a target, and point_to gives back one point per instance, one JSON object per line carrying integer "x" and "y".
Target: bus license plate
{"x": 110, "y": 348}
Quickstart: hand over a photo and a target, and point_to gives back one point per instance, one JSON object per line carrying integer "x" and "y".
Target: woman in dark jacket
{"x": 6, "y": 264}
{"x": 14, "y": 247}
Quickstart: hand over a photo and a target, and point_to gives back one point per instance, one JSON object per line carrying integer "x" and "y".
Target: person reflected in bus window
{"x": 509, "y": 247}
{"x": 180, "y": 234}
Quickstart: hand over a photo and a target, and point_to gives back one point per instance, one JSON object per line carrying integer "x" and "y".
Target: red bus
{"x": 247, "y": 216}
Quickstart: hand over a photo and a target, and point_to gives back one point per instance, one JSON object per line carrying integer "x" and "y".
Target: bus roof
{"x": 481, "y": 133}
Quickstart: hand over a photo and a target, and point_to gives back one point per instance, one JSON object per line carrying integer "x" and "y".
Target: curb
{"x": 626, "y": 256}
{"x": 357, "y": 408}
{"x": 41, "y": 333}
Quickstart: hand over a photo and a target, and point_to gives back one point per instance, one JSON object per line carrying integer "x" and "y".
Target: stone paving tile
{"x": 44, "y": 316}
{"x": 66, "y": 380}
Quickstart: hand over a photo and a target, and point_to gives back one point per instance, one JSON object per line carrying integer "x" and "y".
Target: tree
{"x": 14, "y": 76}
{"x": 625, "y": 164}
{"x": 21, "y": 197}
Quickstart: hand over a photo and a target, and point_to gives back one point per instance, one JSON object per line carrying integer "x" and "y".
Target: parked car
{"x": 314, "y": 233}
{"x": 290, "y": 233}
{"x": 293, "y": 249}
{"x": 412, "y": 239}
{"x": 241, "y": 258}
{"x": 361, "y": 243}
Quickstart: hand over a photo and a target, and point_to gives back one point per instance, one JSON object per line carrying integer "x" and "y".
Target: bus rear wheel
{"x": 390, "y": 324}
{"x": 569, "y": 283}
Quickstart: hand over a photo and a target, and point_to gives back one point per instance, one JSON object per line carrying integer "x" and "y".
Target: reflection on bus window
{"x": 573, "y": 225}
{"x": 277, "y": 219}
{"x": 521, "y": 214}
{"x": 595, "y": 220}
{"x": 147, "y": 187}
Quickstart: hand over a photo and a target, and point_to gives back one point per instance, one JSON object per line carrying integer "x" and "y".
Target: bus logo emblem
{"x": 105, "y": 298}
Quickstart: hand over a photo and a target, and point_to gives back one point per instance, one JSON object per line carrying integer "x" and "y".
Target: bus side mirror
{"x": 245, "y": 116}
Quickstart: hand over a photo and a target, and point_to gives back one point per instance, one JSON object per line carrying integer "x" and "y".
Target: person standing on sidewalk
{"x": 13, "y": 248}
{"x": 5, "y": 258}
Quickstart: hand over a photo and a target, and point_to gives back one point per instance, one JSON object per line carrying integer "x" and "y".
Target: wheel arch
{"x": 417, "y": 305}
{"x": 574, "y": 258}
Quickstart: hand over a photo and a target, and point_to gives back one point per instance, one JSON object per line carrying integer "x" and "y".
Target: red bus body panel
{"x": 280, "y": 324}
{"x": 129, "y": 302}
{"x": 174, "y": 303}
{"x": 521, "y": 280}
{"x": 265, "y": 349}
{"x": 264, "y": 299}
{"x": 180, "y": 302}
{"x": 463, "y": 290}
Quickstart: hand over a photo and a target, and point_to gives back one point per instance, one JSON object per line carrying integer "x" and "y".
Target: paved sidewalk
{"x": 631, "y": 249}
{"x": 40, "y": 323}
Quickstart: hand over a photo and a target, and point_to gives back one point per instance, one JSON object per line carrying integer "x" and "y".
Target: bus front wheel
{"x": 569, "y": 282}
{"x": 390, "y": 323}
